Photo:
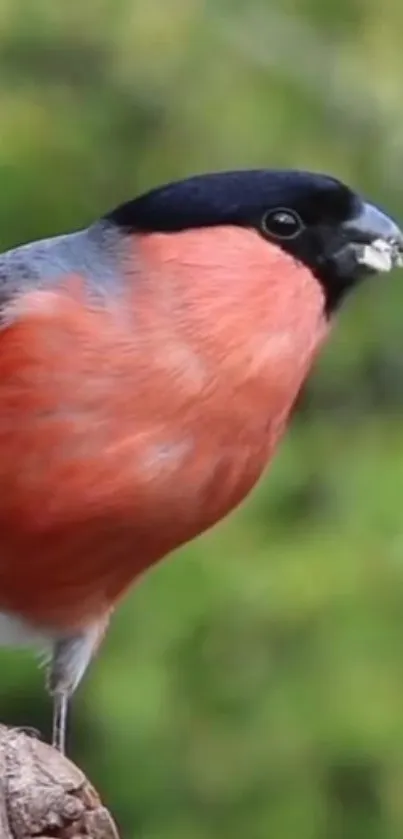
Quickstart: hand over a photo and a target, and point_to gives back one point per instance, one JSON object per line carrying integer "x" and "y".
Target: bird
{"x": 149, "y": 366}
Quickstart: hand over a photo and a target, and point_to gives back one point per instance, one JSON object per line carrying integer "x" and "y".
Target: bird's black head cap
{"x": 311, "y": 216}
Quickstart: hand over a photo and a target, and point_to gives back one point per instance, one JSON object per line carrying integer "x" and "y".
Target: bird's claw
{"x": 29, "y": 730}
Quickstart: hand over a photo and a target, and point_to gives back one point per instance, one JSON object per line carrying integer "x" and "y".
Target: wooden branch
{"x": 43, "y": 795}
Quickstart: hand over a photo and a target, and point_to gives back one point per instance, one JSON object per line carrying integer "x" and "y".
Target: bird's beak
{"x": 375, "y": 238}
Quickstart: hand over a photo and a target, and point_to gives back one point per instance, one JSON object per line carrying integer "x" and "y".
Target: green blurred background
{"x": 251, "y": 686}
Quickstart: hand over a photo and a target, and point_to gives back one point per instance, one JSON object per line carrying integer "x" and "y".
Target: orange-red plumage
{"x": 130, "y": 425}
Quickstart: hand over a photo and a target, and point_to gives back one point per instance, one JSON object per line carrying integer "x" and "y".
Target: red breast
{"x": 128, "y": 428}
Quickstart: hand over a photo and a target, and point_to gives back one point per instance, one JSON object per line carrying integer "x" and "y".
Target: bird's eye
{"x": 282, "y": 223}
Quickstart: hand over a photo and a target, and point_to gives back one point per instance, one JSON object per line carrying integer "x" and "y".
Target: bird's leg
{"x": 70, "y": 658}
{"x": 59, "y": 722}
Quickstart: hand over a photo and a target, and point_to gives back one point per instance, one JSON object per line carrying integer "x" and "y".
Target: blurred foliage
{"x": 252, "y": 685}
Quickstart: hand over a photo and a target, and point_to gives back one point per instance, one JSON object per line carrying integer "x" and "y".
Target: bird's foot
{"x": 29, "y": 730}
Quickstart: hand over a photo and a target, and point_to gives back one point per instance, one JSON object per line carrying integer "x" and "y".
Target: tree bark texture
{"x": 44, "y": 795}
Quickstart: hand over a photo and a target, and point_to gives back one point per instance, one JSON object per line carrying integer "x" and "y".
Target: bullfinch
{"x": 148, "y": 368}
